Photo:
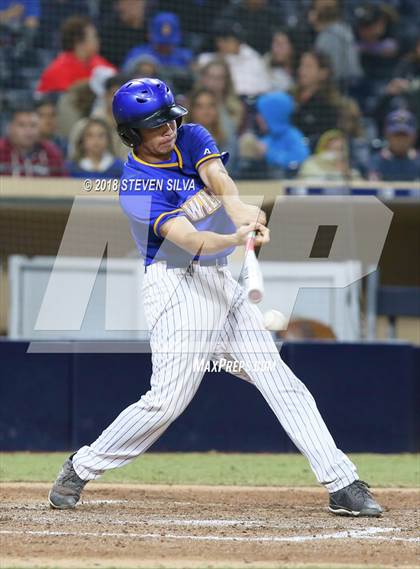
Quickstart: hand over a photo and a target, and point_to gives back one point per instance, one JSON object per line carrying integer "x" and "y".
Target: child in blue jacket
{"x": 281, "y": 147}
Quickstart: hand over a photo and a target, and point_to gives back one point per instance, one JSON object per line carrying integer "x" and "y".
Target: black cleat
{"x": 354, "y": 500}
{"x": 66, "y": 490}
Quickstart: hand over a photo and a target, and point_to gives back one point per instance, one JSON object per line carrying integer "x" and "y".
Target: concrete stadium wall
{"x": 369, "y": 395}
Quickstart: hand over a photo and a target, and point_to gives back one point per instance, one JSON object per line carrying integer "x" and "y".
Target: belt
{"x": 217, "y": 262}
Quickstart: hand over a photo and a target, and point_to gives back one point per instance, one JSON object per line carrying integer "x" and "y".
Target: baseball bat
{"x": 252, "y": 276}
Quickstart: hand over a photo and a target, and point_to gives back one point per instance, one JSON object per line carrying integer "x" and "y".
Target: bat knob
{"x": 255, "y": 296}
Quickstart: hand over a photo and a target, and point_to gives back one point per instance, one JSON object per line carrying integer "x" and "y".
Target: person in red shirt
{"x": 78, "y": 59}
{"x": 22, "y": 153}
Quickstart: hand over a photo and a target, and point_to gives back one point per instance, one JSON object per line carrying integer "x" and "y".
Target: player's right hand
{"x": 262, "y": 234}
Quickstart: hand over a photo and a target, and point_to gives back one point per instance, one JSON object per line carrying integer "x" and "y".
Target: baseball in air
{"x": 275, "y": 320}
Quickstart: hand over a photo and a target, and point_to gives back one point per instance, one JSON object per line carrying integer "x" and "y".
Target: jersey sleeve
{"x": 203, "y": 147}
{"x": 152, "y": 209}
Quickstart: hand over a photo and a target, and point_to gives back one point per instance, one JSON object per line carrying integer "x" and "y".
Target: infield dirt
{"x": 202, "y": 526}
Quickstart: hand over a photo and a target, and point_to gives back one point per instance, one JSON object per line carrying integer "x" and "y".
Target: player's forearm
{"x": 224, "y": 187}
{"x": 180, "y": 231}
{"x": 208, "y": 242}
{"x": 220, "y": 183}
{"x": 216, "y": 178}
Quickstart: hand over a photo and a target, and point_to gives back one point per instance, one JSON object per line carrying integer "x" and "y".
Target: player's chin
{"x": 167, "y": 145}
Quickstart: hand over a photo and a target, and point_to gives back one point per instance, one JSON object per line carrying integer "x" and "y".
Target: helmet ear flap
{"x": 179, "y": 121}
{"x": 129, "y": 136}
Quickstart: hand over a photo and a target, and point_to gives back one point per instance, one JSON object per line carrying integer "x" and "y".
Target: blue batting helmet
{"x": 144, "y": 103}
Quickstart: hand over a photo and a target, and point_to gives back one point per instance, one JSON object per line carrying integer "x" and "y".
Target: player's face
{"x": 24, "y": 130}
{"x": 159, "y": 141}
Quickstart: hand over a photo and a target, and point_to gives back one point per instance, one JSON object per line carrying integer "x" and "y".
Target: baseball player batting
{"x": 186, "y": 217}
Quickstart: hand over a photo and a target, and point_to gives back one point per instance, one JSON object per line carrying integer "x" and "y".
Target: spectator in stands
{"x": 204, "y": 110}
{"x": 104, "y": 111}
{"x": 403, "y": 91}
{"x": 81, "y": 99}
{"x": 399, "y": 160}
{"x": 144, "y": 66}
{"x": 123, "y": 29}
{"x": 164, "y": 43}
{"x": 407, "y": 11}
{"x": 377, "y": 43}
{"x": 46, "y": 109}
{"x": 15, "y": 14}
{"x": 249, "y": 74}
{"x": 330, "y": 161}
{"x": 92, "y": 154}
{"x": 22, "y": 153}
{"x": 77, "y": 60}
{"x": 408, "y": 67}
{"x": 350, "y": 122}
{"x": 335, "y": 38}
{"x": 316, "y": 96}
{"x": 197, "y": 19}
{"x": 74, "y": 104}
{"x": 19, "y": 21}
{"x": 281, "y": 145}
{"x": 179, "y": 80}
{"x": 97, "y": 82}
{"x": 280, "y": 61}
{"x": 53, "y": 14}
{"x": 216, "y": 77}
{"x": 258, "y": 19}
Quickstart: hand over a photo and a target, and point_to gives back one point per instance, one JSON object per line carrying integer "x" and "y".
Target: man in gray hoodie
{"x": 336, "y": 39}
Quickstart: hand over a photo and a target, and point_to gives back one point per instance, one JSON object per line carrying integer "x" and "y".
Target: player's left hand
{"x": 243, "y": 214}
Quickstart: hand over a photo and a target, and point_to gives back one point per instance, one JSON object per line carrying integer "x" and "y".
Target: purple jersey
{"x": 150, "y": 194}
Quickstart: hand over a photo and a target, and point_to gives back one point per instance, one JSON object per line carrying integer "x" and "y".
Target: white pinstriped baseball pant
{"x": 205, "y": 316}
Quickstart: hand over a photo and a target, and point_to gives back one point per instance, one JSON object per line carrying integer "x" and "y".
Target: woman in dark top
{"x": 317, "y": 98}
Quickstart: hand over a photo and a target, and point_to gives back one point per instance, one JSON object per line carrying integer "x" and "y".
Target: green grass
{"x": 400, "y": 470}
